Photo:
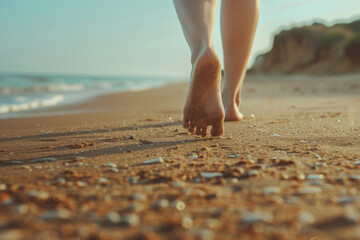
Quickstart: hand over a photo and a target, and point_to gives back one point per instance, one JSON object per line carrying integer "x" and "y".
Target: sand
{"x": 289, "y": 170}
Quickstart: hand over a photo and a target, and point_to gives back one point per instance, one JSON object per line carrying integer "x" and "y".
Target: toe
{"x": 186, "y": 122}
{"x": 217, "y": 129}
{"x": 198, "y": 130}
{"x": 191, "y": 127}
{"x": 203, "y": 131}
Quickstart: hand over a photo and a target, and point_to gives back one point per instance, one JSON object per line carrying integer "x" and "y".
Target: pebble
{"x": 317, "y": 156}
{"x": 357, "y": 163}
{"x": 179, "y": 205}
{"x": 234, "y": 155}
{"x": 139, "y": 197}
{"x": 38, "y": 194}
{"x": 114, "y": 170}
{"x": 61, "y": 180}
{"x": 210, "y": 174}
{"x": 160, "y": 204}
{"x": 309, "y": 190}
{"x": 21, "y": 209}
{"x": 153, "y": 161}
{"x": 248, "y": 157}
{"x": 132, "y": 180}
{"x": 178, "y": 184}
{"x": 112, "y": 217}
{"x": 55, "y": 214}
{"x": 315, "y": 177}
{"x": 131, "y": 220}
{"x": 5, "y": 199}
{"x": 305, "y": 218}
{"x": 346, "y": 200}
{"x": 355, "y": 177}
{"x": 81, "y": 184}
{"x": 303, "y": 141}
{"x": 253, "y": 173}
{"x": 187, "y": 222}
{"x": 112, "y": 165}
{"x": 193, "y": 156}
{"x": 276, "y": 135}
{"x": 2, "y": 187}
{"x": 11, "y": 235}
{"x": 254, "y": 217}
{"x": 135, "y": 207}
{"x": 103, "y": 180}
{"x": 271, "y": 190}
{"x": 292, "y": 200}
{"x": 201, "y": 234}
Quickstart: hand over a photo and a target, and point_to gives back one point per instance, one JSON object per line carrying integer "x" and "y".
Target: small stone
{"x": 112, "y": 165}
{"x": 178, "y": 184}
{"x": 254, "y": 217}
{"x": 187, "y": 222}
{"x": 114, "y": 170}
{"x": 135, "y": 207}
{"x": 160, "y": 204}
{"x": 354, "y": 177}
{"x": 201, "y": 234}
{"x": 303, "y": 141}
{"x": 131, "y": 220}
{"x": 103, "y": 180}
{"x": 11, "y": 235}
{"x": 346, "y": 200}
{"x": 248, "y": 157}
{"x": 276, "y": 135}
{"x": 292, "y": 200}
{"x": 271, "y": 190}
{"x": 179, "y": 205}
{"x": 81, "y": 184}
{"x": 309, "y": 190}
{"x": 55, "y": 214}
{"x": 234, "y": 155}
{"x": 253, "y": 173}
{"x": 315, "y": 177}
{"x": 357, "y": 163}
{"x": 2, "y": 187}
{"x": 131, "y": 136}
{"x": 305, "y": 218}
{"x": 132, "y": 180}
{"x": 139, "y": 197}
{"x": 61, "y": 181}
{"x": 38, "y": 194}
{"x": 112, "y": 217}
{"x": 5, "y": 199}
{"x": 193, "y": 156}
{"x": 210, "y": 174}
{"x": 317, "y": 156}
{"x": 21, "y": 209}
{"x": 153, "y": 161}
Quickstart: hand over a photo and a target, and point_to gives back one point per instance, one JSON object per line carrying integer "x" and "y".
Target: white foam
{"x": 23, "y": 103}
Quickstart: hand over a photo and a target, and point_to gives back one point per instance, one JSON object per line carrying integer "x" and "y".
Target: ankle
{"x": 202, "y": 52}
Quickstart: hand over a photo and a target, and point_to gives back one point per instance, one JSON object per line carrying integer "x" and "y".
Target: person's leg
{"x": 203, "y": 106}
{"x": 238, "y": 25}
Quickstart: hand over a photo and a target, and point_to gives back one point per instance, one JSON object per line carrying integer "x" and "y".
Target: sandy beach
{"x": 121, "y": 166}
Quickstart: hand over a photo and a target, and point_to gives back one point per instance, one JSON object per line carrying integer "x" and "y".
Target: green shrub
{"x": 352, "y": 48}
{"x": 330, "y": 38}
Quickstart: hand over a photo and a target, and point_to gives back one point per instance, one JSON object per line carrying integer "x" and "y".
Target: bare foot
{"x": 203, "y": 106}
{"x": 231, "y": 106}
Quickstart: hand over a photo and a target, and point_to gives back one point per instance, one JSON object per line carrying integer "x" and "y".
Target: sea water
{"x": 19, "y": 94}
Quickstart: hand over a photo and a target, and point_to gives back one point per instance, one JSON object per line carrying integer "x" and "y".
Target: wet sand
{"x": 289, "y": 170}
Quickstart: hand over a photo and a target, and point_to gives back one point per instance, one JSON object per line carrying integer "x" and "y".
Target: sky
{"x": 130, "y": 38}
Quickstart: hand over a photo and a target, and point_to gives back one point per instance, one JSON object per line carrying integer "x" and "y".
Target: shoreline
{"x": 289, "y": 170}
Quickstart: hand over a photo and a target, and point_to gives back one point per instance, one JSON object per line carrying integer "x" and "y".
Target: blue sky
{"x": 121, "y": 37}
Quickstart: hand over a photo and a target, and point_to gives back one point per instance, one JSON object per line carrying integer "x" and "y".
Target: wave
{"x": 21, "y": 103}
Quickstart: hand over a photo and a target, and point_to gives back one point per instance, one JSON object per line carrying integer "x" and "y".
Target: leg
{"x": 203, "y": 106}
{"x": 238, "y": 25}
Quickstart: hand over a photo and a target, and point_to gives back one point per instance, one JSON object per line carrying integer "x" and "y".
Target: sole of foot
{"x": 203, "y": 107}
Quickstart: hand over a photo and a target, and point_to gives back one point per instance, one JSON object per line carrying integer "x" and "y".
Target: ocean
{"x": 19, "y": 94}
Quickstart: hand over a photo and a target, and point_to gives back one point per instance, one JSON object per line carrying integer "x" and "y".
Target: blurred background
{"x": 51, "y": 49}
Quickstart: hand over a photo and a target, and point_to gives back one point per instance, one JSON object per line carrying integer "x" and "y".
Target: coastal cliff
{"x": 314, "y": 49}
